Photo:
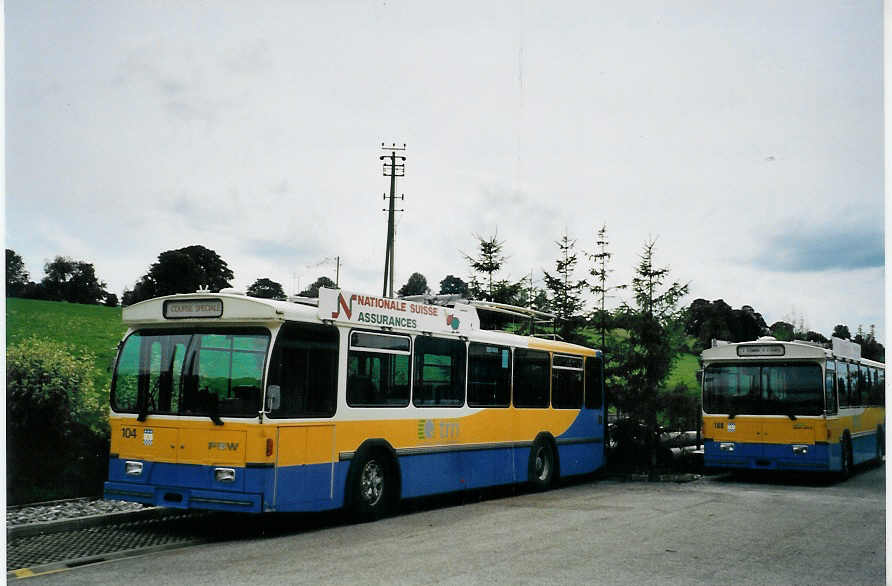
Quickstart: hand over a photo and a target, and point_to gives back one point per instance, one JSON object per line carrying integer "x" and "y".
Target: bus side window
{"x": 863, "y": 385}
{"x": 593, "y": 384}
{"x": 842, "y": 383}
{"x": 854, "y": 385}
{"x": 378, "y": 370}
{"x": 305, "y": 366}
{"x": 874, "y": 386}
{"x": 830, "y": 389}
{"x": 531, "y": 378}
{"x": 439, "y": 372}
{"x": 566, "y": 382}
{"x": 489, "y": 375}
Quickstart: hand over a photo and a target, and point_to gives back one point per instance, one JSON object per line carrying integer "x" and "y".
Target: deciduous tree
{"x": 416, "y": 285}
{"x": 16, "y": 275}
{"x": 841, "y": 331}
{"x": 452, "y": 285}
{"x": 183, "y": 270}
{"x": 266, "y": 289}
{"x": 73, "y": 281}
{"x": 313, "y": 290}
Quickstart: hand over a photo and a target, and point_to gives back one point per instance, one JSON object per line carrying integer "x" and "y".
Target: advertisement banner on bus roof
{"x": 370, "y": 311}
{"x": 846, "y": 348}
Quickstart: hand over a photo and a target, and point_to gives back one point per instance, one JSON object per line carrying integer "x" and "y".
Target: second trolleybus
{"x": 774, "y": 405}
{"x": 227, "y": 402}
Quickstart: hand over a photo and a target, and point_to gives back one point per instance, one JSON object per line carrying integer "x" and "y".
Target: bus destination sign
{"x": 761, "y": 350}
{"x": 192, "y": 308}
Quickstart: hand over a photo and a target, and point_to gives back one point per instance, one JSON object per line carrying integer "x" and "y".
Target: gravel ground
{"x": 67, "y": 509}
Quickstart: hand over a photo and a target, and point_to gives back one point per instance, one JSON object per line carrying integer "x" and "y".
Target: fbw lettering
{"x": 231, "y": 446}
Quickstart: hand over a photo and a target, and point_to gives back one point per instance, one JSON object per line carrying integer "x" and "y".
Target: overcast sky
{"x": 746, "y": 137}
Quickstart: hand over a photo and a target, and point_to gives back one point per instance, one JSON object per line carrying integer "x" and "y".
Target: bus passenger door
{"x": 305, "y": 462}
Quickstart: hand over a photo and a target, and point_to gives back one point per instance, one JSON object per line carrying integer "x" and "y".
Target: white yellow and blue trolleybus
{"x": 792, "y": 406}
{"x": 227, "y": 402}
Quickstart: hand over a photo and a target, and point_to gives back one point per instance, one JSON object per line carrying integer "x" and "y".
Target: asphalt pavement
{"x": 764, "y": 529}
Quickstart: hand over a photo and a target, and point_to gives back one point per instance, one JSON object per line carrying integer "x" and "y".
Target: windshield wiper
{"x": 143, "y": 402}
{"x": 213, "y": 405}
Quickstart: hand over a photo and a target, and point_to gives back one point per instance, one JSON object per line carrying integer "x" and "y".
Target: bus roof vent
{"x": 767, "y": 339}
{"x": 232, "y": 291}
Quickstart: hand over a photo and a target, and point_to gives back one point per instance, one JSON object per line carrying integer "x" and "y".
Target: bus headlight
{"x": 800, "y": 450}
{"x": 726, "y": 447}
{"x": 133, "y": 468}
{"x": 224, "y": 474}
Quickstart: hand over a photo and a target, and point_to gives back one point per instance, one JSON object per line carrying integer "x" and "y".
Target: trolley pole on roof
{"x": 394, "y": 166}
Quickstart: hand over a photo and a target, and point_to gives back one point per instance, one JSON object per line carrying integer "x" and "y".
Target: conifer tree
{"x": 598, "y": 283}
{"x": 488, "y": 262}
{"x": 566, "y": 291}
{"x": 655, "y": 326}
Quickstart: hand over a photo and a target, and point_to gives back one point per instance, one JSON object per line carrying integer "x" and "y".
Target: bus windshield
{"x": 764, "y": 389}
{"x": 207, "y": 373}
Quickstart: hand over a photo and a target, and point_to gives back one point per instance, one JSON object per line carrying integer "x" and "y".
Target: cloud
{"x": 823, "y": 249}
{"x": 282, "y": 252}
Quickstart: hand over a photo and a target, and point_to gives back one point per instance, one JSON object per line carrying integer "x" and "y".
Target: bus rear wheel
{"x": 845, "y": 470}
{"x": 541, "y": 465}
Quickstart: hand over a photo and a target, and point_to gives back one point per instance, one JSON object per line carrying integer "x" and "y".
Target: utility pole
{"x": 394, "y": 166}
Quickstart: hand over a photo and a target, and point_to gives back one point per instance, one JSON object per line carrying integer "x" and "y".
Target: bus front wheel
{"x": 372, "y": 486}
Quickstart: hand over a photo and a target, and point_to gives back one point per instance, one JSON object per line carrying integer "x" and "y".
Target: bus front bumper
{"x": 755, "y": 456}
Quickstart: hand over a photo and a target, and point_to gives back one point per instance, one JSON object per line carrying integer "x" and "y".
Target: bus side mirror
{"x": 273, "y": 397}
{"x": 699, "y": 377}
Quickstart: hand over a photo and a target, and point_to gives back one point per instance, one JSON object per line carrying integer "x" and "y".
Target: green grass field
{"x": 684, "y": 370}
{"x": 91, "y": 328}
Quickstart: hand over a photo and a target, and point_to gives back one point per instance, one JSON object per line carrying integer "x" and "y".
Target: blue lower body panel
{"x": 864, "y": 447}
{"x": 432, "y": 473}
{"x": 187, "y": 486}
{"x": 752, "y": 456}
{"x": 323, "y": 487}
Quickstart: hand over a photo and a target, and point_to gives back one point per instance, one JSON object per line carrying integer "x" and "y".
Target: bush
{"x": 679, "y": 408}
{"x": 57, "y": 431}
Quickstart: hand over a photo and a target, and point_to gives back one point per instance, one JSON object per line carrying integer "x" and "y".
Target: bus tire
{"x": 542, "y": 465}
{"x": 845, "y": 446}
{"x": 373, "y": 485}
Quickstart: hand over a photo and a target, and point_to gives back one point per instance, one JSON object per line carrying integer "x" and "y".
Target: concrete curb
{"x": 84, "y": 522}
